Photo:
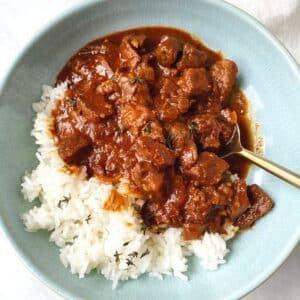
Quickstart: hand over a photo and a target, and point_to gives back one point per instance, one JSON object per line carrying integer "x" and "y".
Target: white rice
{"x": 92, "y": 238}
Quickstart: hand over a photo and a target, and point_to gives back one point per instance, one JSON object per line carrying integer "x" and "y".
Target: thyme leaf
{"x": 144, "y": 229}
{"x": 125, "y": 244}
{"x": 192, "y": 128}
{"x": 73, "y": 102}
{"x": 136, "y": 207}
{"x": 169, "y": 143}
{"x": 119, "y": 131}
{"x": 146, "y": 252}
{"x": 133, "y": 254}
{"x": 146, "y": 128}
{"x": 65, "y": 200}
{"x": 117, "y": 256}
{"x": 137, "y": 80}
{"x": 88, "y": 219}
{"x": 148, "y": 219}
{"x": 129, "y": 262}
{"x": 180, "y": 169}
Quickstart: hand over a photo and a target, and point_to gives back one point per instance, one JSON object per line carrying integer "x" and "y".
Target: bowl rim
{"x": 244, "y": 16}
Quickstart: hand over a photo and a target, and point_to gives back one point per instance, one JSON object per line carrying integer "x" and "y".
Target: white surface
{"x": 19, "y": 20}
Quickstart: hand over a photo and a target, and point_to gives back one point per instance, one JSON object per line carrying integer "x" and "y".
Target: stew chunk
{"x": 261, "y": 203}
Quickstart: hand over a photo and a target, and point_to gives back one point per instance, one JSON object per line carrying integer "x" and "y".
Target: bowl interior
{"x": 269, "y": 78}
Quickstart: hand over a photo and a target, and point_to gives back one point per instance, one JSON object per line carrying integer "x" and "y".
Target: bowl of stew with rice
{"x": 129, "y": 184}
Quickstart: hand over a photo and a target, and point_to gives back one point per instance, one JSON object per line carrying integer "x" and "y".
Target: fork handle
{"x": 271, "y": 167}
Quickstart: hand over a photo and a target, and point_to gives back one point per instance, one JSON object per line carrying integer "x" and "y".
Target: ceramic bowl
{"x": 267, "y": 74}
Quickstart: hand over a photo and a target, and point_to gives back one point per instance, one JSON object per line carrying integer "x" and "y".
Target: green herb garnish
{"x": 192, "y": 128}
{"x": 65, "y": 200}
{"x": 144, "y": 228}
{"x": 73, "y": 102}
{"x": 125, "y": 244}
{"x": 119, "y": 131}
{"x": 117, "y": 256}
{"x": 136, "y": 207}
{"x": 145, "y": 253}
{"x": 148, "y": 219}
{"x": 137, "y": 80}
{"x": 146, "y": 128}
{"x": 169, "y": 143}
{"x": 133, "y": 254}
{"x": 88, "y": 219}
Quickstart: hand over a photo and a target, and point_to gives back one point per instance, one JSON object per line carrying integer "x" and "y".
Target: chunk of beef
{"x": 195, "y": 81}
{"x": 145, "y": 71}
{"x": 192, "y": 231}
{"x": 168, "y": 88}
{"x": 209, "y": 169}
{"x": 192, "y": 57}
{"x": 168, "y": 109}
{"x": 134, "y": 117}
{"x": 94, "y": 107}
{"x": 216, "y": 196}
{"x": 228, "y": 122}
{"x": 260, "y": 202}
{"x": 103, "y": 67}
{"x": 223, "y": 74}
{"x": 197, "y": 207}
{"x": 206, "y": 129}
{"x": 134, "y": 90}
{"x": 153, "y": 151}
{"x": 182, "y": 143}
{"x": 209, "y": 105}
{"x": 240, "y": 201}
{"x": 176, "y": 200}
{"x": 179, "y": 135}
{"x": 165, "y": 111}
{"x": 110, "y": 52}
{"x": 167, "y": 50}
{"x": 146, "y": 177}
{"x": 70, "y": 146}
{"x": 128, "y": 50}
{"x": 225, "y": 193}
{"x": 107, "y": 88}
{"x": 170, "y": 103}
{"x": 168, "y": 72}
{"x": 189, "y": 155}
{"x": 104, "y": 161}
{"x": 153, "y": 214}
{"x": 63, "y": 127}
{"x": 181, "y": 102}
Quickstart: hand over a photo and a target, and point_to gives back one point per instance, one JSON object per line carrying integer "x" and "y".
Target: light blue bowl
{"x": 271, "y": 80}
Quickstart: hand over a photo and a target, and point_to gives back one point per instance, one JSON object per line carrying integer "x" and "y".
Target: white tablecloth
{"x": 20, "y": 19}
